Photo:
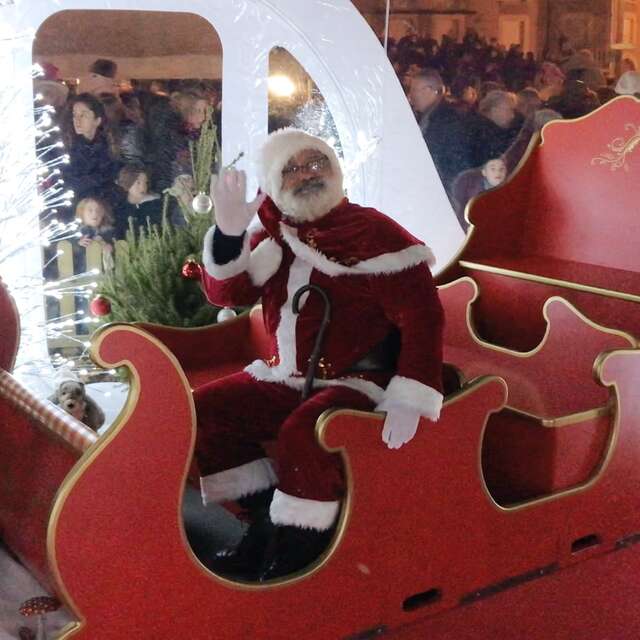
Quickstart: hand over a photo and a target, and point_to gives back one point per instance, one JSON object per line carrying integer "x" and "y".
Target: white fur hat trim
{"x": 277, "y": 151}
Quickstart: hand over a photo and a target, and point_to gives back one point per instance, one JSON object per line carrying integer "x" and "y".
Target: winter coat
{"x": 92, "y": 170}
{"x": 444, "y": 132}
{"x": 377, "y": 278}
{"x": 150, "y": 208}
{"x": 466, "y": 186}
{"x": 487, "y": 140}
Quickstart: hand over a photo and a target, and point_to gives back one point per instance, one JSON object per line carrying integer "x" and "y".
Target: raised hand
{"x": 232, "y": 211}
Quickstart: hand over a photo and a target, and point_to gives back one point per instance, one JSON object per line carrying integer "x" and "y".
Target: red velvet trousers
{"x": 237, "y": 414}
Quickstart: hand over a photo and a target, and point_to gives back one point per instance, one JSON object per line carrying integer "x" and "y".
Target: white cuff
{"x": 413, "y": 394}
{"x": 237, "y": 482}
{"x": 299, "y": 512}
{"x": 230, "y": 269}
{"x": 264, "y": 261}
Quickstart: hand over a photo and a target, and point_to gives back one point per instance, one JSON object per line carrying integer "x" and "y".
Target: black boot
{"x": 246, "y": 561}
{"x": 295, "y": 549}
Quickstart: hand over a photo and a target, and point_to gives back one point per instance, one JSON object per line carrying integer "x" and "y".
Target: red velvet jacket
{"x": 377, "y": 277}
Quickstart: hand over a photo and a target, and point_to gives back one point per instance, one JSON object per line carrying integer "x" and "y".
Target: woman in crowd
{"x": 550, "y": 81}
{"x": 192, "y": 107}
{"x": 92, "y": 167}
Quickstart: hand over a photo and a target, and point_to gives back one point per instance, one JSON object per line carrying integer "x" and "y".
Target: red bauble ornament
{"x": 100, "y": 306}
{"x": 191, "y": 270}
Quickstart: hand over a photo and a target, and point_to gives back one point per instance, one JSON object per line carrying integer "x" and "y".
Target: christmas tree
{"x": 155, "y": 276}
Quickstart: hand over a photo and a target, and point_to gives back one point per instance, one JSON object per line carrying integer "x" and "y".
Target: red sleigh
{"x": 515, "y": 516}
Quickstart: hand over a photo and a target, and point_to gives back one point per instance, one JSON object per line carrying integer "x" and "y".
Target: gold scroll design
{"x": 619, "y": 149}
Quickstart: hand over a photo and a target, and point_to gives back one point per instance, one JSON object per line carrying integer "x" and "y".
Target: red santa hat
{"x": 276, "y": 152}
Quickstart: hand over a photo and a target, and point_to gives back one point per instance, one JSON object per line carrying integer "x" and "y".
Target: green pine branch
{"x": 146, "y": 283}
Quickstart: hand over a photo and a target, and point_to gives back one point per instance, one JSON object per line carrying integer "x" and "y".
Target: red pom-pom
{"x": 191, "y": 270}
{"x": 100, "y": 306}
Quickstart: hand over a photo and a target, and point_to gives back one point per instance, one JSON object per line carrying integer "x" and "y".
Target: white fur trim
{"x": 259, "y": 370}
{"x": 414, "y": 394}
{"x": 277, "y": 151}
{"x": 230, "y": 269}
{"x": 299, "y": 274}
{"x": 300, "y": 512}
{"x": 385, "y": 263}
{"x": 264, "y": 261}
{"x": 310, "y": 207}
{"x": 235, "y": 483}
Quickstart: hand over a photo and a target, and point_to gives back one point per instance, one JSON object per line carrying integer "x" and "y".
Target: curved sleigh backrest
{"x": 565, "y": 224}
{"x": 209, "y": 353}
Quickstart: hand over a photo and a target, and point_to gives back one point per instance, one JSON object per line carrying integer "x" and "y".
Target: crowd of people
{"x": 478, "y": 103}
{"x": 125, "y": 147}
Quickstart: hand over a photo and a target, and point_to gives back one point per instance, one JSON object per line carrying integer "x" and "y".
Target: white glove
{"x": 232, "y": 211}
{"x": 400, "y": 425}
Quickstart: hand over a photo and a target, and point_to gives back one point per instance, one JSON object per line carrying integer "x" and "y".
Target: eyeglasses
{"x": 313, "y": 166}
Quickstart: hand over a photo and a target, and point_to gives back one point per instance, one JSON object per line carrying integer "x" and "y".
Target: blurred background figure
{"x": 441, "y": 126}
{"x": 629, "y": 84}
{"x": 137, "y": 205}
{"x": 101, "y": 78}
{"x": 549, "y": 81}
{"x": 50, "y": 86}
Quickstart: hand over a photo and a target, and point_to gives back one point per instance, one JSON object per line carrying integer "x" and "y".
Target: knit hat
{"x": 628, "y": 84}
{"x": 276, "y": 152}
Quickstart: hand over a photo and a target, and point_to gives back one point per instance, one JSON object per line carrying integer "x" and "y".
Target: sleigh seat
{"x": 547, "y": 281}
{"x": 532, "y": 469}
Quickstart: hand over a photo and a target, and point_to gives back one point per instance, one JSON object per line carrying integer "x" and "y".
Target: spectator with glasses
{"x": 377, "y": 277}
{"x": 441, "y": 126}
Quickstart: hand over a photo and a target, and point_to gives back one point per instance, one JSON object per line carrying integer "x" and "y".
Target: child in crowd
{"x": 137, "y": 205}
{"x": 494, "y": 173}
{"x": 96, "y": 223}
{"x": 474, "y": 181}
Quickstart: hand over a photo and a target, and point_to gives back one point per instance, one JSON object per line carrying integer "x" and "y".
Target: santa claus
{"x": 382, "y": 349}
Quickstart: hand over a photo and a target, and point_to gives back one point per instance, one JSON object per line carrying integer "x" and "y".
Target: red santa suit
{"x": 377, "y": 278}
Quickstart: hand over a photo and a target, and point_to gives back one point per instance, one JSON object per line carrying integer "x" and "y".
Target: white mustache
{"x": 312, "y": 185}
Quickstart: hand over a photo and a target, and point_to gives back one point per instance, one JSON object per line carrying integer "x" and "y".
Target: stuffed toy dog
{"x": 71, "y": 396}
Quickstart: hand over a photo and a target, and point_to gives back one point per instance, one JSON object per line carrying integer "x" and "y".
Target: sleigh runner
{"x": 526, "y": 486}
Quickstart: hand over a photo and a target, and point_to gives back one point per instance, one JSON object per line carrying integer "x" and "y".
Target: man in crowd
{"x": 377, "y": 277}
{"x": 495, "y": 127}
{"x": 441, "y": 125}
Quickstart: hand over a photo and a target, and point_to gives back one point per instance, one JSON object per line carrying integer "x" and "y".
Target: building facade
{"x": 549, "y": 28}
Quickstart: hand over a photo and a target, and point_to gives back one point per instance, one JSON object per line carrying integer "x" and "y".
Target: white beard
{"x": 310, "y": 206}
